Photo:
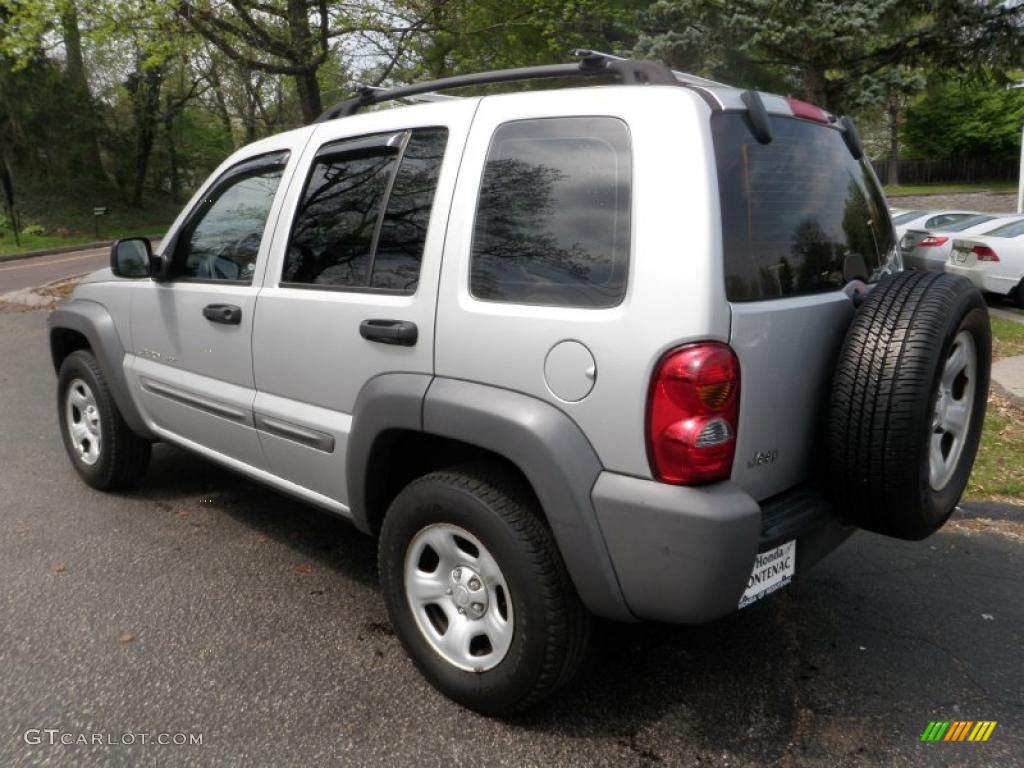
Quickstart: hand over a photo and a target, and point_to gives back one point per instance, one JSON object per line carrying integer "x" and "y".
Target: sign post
{"x": 96, "y": 213}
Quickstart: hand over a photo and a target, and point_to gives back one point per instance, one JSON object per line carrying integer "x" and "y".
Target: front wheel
{"x": 102, "y": 448}
{"x": 477, "y": 591}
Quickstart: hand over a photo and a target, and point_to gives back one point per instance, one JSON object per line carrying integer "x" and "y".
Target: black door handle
{"x": 228, "y": 314}
{"x": 400, "y": 332}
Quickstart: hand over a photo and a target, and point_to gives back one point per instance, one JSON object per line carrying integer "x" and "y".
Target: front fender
{"x": 93, "y": 321}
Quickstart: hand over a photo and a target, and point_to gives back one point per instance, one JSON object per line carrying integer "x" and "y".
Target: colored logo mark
{"x": 959, "y": 730}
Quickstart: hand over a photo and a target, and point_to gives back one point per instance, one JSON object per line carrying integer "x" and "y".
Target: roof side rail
{"x": 683, "y": 77}
{"x": 590, "y": 64}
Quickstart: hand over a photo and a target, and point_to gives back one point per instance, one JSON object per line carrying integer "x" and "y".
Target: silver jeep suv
{"x": 640, "y": 351}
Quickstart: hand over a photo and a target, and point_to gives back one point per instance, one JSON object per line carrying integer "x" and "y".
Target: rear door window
{"x": 362, "y": 222}
{"x": 799, "y": 215}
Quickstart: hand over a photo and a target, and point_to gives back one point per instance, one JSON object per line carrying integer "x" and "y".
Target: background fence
{"x": 957, "y": 169}
{"x": 960, "y": 169}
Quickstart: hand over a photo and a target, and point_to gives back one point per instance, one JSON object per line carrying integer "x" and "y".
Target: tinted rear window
{"x": 970, "y": 221}
{"x": 903, "y": 218}
{"x": 799, "y": 215}
{"x": 1013, "y": 229}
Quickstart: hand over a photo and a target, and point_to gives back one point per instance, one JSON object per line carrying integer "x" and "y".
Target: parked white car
{"x": 993, "y": 262}
{"x": 929, "y": 250}
{"x": 926, "y": 220}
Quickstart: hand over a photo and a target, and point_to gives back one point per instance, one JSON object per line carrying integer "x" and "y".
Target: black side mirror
{"x": 131, "y": 257}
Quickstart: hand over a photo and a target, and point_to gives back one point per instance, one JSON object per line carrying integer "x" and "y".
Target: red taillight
{"x": 807, "y": 111}
{"x": 984, "y": 253}
{"x": 932, "y": 240}
{"x": 692, "y": 414}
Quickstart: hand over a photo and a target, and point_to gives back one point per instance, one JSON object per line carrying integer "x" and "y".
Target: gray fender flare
{"x": 558, "y": 460}
{"x": 386, "y": 403}
{"x": 543, "y": 442}
{"x": 92, "y": 320}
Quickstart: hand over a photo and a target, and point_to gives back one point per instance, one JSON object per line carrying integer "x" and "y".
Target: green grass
{"x": 1007, "y": 339}
{"x": 999, "y": 468}
{"x": 55, "y": 218}
{"x": 951, "y": 189}
{"x": 31, "y": 243}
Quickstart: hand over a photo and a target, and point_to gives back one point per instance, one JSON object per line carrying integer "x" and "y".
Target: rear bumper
{"x": 983, "y": 279}
{"x": 684, "y": 555}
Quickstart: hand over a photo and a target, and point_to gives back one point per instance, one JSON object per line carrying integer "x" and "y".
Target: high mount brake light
{"x": 693, "y": 413}
{"x": 807, "y": 111}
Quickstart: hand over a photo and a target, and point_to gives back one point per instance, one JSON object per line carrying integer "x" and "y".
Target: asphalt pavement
{"x": 202, "y": 604}
{"x": 37, "y": 270}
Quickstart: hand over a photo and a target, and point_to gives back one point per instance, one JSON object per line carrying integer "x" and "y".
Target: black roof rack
{"x": 590, "y": 64}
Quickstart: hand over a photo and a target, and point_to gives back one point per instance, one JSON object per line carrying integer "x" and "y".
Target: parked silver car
{"x": 559, "y": 360}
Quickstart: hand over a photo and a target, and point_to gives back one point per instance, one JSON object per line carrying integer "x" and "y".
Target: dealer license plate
{"x": 772, "y": 569}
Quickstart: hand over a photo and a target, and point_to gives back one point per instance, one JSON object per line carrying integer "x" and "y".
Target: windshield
{"x": 799, "y": 215}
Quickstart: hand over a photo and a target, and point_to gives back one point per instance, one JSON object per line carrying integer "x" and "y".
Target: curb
{"x": 52, "y": 251}
{"x": 1005, "y": 314}
{"x": 1008, "y": 379}
{"x": 68, "y": 249}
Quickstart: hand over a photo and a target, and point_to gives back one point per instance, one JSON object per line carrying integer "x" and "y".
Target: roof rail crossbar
{"x": 629, "y": 71}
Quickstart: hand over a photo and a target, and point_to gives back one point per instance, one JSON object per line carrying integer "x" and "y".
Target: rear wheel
{"x": 477, "y": 591}
{"x": 908, "y": 402}
{"x": 102, "y": 448}
{"x": 1018, "y": 294}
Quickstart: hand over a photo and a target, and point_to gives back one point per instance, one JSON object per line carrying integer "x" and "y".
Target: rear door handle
{"x": 401, "y": 332}
{"x": 228, "y": 314}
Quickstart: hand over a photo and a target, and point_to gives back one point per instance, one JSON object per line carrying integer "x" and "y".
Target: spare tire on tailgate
{"x": 908, "y": 402}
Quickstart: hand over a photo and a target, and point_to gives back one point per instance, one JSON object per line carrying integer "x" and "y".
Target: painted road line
{"x": 47, "y": 263}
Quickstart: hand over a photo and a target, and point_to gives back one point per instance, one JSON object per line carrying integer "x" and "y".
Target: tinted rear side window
{"x": 403, "y": 232}
{"x": 553, "y": 217}
{"x": 799, "y": 215}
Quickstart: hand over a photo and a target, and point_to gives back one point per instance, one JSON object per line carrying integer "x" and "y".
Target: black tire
{"x": 551, "y": 626}
{"x": 1018, "y": 294}
{"x": 884, "y": 396}
{"x": 123, "y": 456}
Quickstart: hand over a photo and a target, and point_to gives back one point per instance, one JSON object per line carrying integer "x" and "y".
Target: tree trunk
{"x": 815, "y": 86}
{"x": 146, "y": 105}
{"x": 87, "y": 148}
{"x": 222, "y": 104}
{"x": 303, "y": 43}
{"x": 309, "y": 96}
{"x": 893, "y": 179}
{"x": 172, "y": 157}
